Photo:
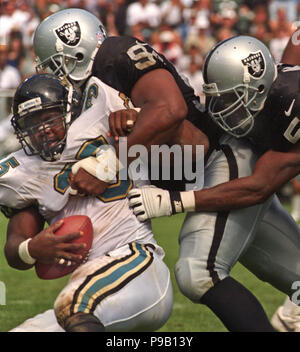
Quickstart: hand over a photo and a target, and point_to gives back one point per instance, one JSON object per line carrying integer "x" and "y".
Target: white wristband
{"x": 108, "y": 164}
{"x": 24, "y": 252}
{"x": 188, "y": 200}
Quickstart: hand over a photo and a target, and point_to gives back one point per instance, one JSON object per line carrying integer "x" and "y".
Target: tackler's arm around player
{"x": 27, "y": 242}
{"x": 122, "y": 122}
{"x": 163, "y": 109}
{"x": 272, "y": 170}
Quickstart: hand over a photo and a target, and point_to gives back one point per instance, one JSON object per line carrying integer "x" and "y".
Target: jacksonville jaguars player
{"x": 124, "y": 282}
{"x": 165, "y": 100}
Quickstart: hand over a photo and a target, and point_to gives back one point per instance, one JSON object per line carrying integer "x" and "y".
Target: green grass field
{"x": 27, "y": 295}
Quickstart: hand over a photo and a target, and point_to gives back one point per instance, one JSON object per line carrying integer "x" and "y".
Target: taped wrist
{"x": 104, "y": 166}
{"x": 182, "y": 201}
{"x": 24, "y": 252}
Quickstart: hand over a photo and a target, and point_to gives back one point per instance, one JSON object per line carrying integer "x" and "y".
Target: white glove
{"x": 150, "y": 202}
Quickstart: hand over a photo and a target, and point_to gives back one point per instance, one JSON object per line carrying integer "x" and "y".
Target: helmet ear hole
{"x": 79, "y": 56}
{"x": 261, "y": 88}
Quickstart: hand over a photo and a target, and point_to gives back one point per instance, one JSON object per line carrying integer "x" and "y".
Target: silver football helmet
{"x": 238, "y": 74}
{"x": 67, "y": 42}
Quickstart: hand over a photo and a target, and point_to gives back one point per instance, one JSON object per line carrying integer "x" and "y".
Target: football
{"x": 72, "y": 223}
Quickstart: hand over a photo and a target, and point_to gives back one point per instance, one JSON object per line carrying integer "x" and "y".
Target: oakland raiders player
{"x": 263, "y": 113}
{"x": 105, "y": 292}
{"x": 287, "y": 316}
{"x": 129, "y": 66}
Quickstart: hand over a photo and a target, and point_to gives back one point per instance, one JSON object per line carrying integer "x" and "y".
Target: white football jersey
{"x": 30, "y": 180}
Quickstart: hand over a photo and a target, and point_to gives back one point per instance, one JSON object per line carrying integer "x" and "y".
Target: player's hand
{"x": 45, "y": 247}
{"x": 150, "y": 202}
{"x": 121, "y": 123}
{"x": 83, "y": 183}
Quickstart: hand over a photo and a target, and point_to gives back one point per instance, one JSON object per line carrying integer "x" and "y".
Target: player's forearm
{"x": 271, "y": 172}
{"x": 21, "y": 226}
{"x": 231, "y": 195}
{"x": 156, "y": 125}
{"x": 11, "y": 251}
{"x": 152, "y": 202}
{"x": 163, "y": 109}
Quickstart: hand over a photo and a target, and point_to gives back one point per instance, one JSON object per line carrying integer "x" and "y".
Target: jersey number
{"x": 141, "y": 55}
{"x": 91, "y": 94}
{"x": 116, "y": 191}
{"x": 5, "y": 165}
{"x": 289, "y": 135}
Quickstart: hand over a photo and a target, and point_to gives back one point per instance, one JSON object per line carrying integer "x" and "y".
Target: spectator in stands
{"x": 196, "y": 16}
{"x": 16, "y": 49}
{"x": 113, "y": 16}
{"x": 195, "y": 77}
{"x": 168, "y": 42}
{"x": 278, "y": 43}
{"x": 261, "y": 15}
{"x": 224, "y": 33}
{"x": 172, "y": 13}
{"x": 9, "y": 75}
{"x": 119, "y": 11}
{"x": 190, "y": 53}
{"x": 281, "y": 22}
{"x": 6, "y": 20}
{"x": 146, "y": 13}
{"x": 244, "y": 20}
{"x": 28, "y": 21}
{"x": 290, "y": 7}
{"x": 137, "y": 31}
{"x": 224, "y": 13}
{"x": 252, "y": 4}
{"x": 10, "y": 78}
{"x": 262, "y": 32}
{"x": 200, "y": 37}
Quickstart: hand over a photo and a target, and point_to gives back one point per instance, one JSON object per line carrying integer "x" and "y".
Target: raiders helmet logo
{"x": 256, "y": 64}
{"x": 69, "y": 33}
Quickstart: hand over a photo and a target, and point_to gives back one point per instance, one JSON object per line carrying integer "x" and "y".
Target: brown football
{"x": 72, "y": 223}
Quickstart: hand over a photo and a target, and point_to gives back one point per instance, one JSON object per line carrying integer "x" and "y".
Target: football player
{"x": 124, "y": 282}
{"x": 255, "y": 103}
{"x": 168, "y": 103}
{"x": 287, "y": 316}
{"x": 165, "y": 99}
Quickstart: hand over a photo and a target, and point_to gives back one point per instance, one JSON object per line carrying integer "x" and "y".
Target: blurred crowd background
{"x": 183, "y": 30}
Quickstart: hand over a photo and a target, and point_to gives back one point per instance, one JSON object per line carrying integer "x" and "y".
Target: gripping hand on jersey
{"x": 121, "y": 122}
{"x": 152, "y": 202}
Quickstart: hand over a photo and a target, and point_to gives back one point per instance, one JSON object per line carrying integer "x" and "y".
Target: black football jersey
{"x": 121, "y": 61}
{"x": 277, "y": 126}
